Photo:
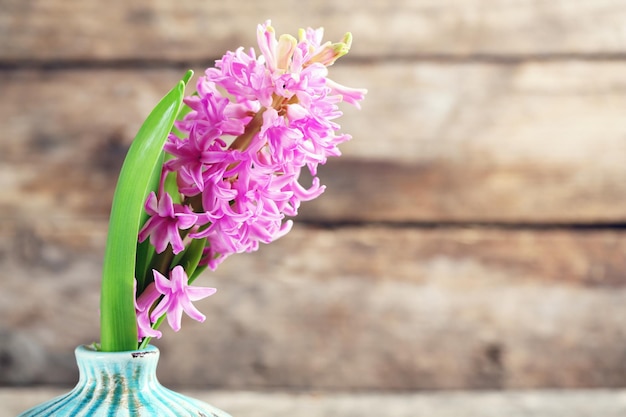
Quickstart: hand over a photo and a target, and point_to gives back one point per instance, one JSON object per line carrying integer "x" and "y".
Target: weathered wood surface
{"x": 576, "y": 403}
{"x": 354, "y": 308}
{"x": 470, "y": 238}
{"x": 195, "y": 29}
{"x": 533, "y": 142}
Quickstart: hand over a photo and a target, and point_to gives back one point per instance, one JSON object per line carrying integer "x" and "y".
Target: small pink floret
{"x": 178, "y": 297}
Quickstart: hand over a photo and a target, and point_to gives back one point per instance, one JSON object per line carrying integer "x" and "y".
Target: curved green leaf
{"x": 118, "y": 327}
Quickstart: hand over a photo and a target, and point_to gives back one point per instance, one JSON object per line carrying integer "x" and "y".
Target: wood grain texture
{"x": 471, "y": 237}
{"x": 193, "y": 29}
{"x": 548, "y": 403}
{"x": 355, "y": 308}
{"x": 527, "y": 143}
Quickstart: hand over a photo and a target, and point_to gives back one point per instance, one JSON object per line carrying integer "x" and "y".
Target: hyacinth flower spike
{"x": 231, "y": 164}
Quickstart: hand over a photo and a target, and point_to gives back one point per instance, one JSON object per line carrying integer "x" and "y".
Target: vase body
{"x": 121, "y": 384}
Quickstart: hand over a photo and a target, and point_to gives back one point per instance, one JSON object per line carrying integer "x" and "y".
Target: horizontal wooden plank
{"x": 193, "y": 29}
{"x": 540, "y": 403}
{"x": 534, "y": 142}
{"x": 351, "y": 308}
{"x": 451, "y": 192}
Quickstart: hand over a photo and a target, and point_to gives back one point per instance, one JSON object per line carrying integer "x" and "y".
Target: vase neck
{"x": 119, "y": 369}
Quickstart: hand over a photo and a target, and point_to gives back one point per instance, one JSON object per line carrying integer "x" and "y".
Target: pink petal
{"x": 174, "y": 316}
{"x": 151, "y": 205}
{"x": 166, "y": 206}
{"x": 163, "y": 285}
{"x": 198, "y": 293}
{"x": 192, "y": 311}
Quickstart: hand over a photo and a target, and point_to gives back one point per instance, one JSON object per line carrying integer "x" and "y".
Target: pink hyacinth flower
{"x": 177, "y": 297}
{"x": 166, "y": 218}
{"x": 256, "y": 121}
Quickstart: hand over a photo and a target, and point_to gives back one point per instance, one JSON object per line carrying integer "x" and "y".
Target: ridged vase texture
{"x": 121, "y": 384}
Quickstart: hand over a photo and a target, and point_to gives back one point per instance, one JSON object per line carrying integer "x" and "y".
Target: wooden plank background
{"x": 472, "y": 236}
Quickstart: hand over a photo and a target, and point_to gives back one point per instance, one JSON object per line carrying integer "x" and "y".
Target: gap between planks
{"x": 452, "y": 59}
{"x": 466, "y": 224}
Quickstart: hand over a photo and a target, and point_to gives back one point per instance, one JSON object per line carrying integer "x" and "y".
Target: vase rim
{"x": 90, "y": 350}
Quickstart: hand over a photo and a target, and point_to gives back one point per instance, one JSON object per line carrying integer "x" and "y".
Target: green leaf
{"x": 145, "y": 250}
{"x": 145, "y": 253}
{"x": 118, "y": 327}
{"x": 191, "y": 256}
{"x": 196, "y": 273}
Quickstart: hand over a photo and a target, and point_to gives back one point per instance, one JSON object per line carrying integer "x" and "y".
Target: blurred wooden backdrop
{"x": 472, "y": 236}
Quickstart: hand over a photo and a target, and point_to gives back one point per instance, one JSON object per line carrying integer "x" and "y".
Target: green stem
{"x": 155, "y": 326}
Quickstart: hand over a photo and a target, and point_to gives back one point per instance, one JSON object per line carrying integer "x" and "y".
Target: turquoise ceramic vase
{"x": 121, "y": 384}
